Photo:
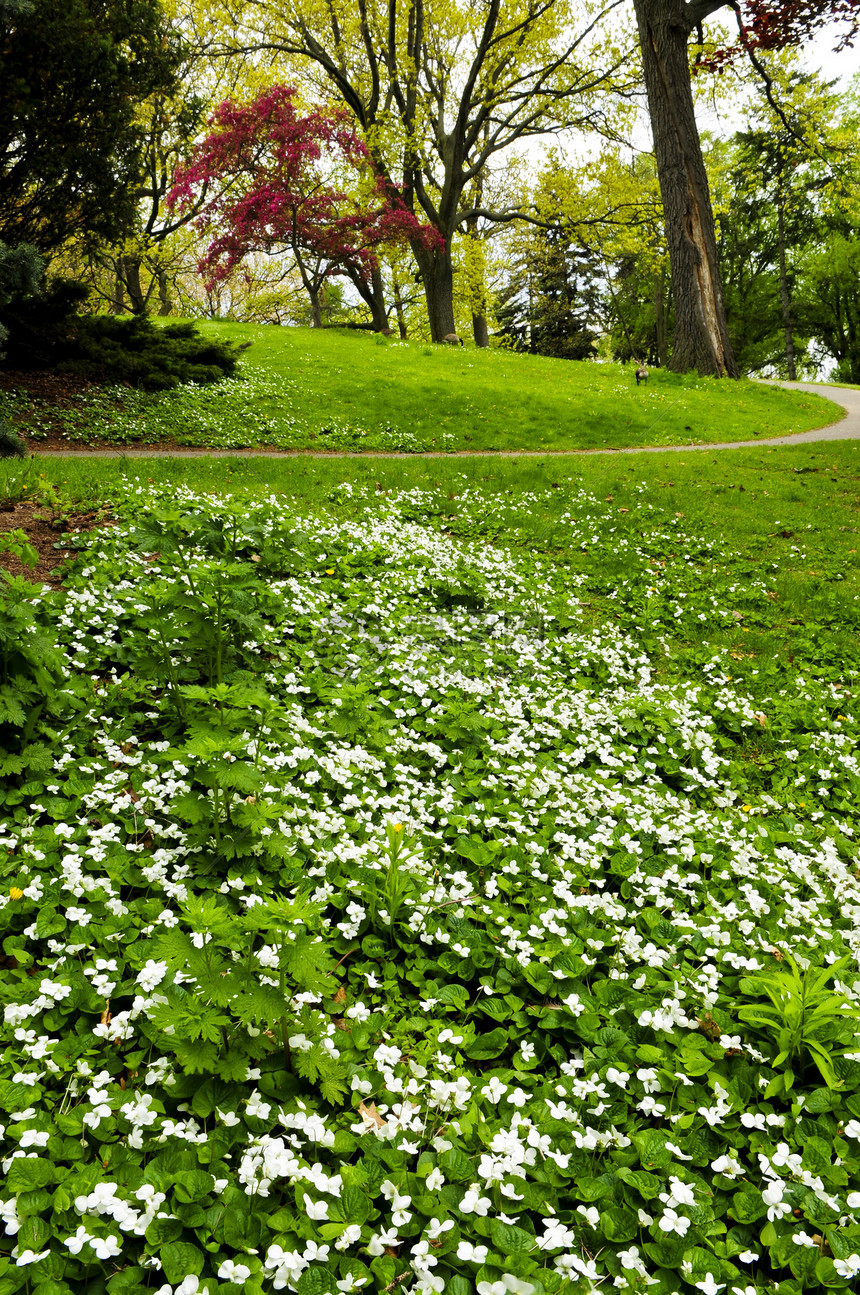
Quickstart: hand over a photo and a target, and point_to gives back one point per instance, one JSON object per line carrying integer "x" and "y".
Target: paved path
{"x": 847, "y": 429}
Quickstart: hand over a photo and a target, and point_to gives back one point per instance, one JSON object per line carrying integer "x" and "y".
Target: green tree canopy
{"x": 72, "y": 73}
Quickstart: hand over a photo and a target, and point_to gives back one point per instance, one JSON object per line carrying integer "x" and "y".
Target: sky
{"x": 820, "y": 55}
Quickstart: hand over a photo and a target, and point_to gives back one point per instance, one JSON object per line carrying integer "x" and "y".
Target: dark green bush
{"x": 47, "y": 332}
{"x": 138, "y": 352}
{"x": 11, "y": 445}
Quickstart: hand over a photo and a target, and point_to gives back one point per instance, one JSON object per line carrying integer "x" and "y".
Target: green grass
{"x": 308, "y": 389}
{"x": 553, "y": 764}
{"x": 793, "y": 507}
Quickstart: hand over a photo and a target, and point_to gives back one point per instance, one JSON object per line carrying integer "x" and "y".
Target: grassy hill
{"x": 332, "y": 389}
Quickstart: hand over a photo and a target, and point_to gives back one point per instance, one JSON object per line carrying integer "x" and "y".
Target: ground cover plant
{"x": 341, "y": 390}
{"x": 414, "y": 888}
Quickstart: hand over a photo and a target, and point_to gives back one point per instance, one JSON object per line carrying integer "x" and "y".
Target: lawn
{"x": 336, "y": 390}
{"x": 435, "y": 876}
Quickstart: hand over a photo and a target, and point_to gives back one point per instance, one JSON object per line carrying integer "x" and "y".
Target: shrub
{"x": 11, "y": 445}
{"x": 138, "y": 352}
{"x": 47, "y": 332}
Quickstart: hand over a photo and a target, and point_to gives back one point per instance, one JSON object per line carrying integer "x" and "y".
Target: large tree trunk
{"x": 165, "y": 305}
{"x": 480, "y": 331}
{"x": 660, "y": 337}
{"x": 373, "y": 294}
{"x": 131, "y": 278}
{"x": 784, "y": 294}
{"x": 437, "y": 278}
{"x": 316, "y": 309}
{"x": 701, "y": 339}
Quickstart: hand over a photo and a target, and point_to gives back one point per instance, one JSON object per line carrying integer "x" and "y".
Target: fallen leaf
{"x": 371, "y": 1115}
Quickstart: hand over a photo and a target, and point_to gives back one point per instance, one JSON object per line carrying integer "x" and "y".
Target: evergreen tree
{"x": 72, "y": 73}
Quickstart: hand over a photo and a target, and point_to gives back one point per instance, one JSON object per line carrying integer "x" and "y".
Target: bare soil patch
{"x": 50, "y": 534}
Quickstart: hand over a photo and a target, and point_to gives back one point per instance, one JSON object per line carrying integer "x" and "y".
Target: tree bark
{"x": 437, "y": 278}
{"x": 660, "y": 338}
{"x": 400, "y": 312}
{"x": 373, "y": 294}
{"x": 165, "y": 305}
{"x": 480, "y": 331}
{"x": 701, "y": 339}
{"x": 117, "y": 305}
{"x": 131, "y": 278}
{"x": 316, "y": 311}
{"x": 790, "y": 359}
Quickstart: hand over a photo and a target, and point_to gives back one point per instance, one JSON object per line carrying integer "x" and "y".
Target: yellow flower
{"x": 747, "y": 809}
{"x": 398, "y": 827}
{"x": 330, "y": 571}
{"x": 15, "y": 893}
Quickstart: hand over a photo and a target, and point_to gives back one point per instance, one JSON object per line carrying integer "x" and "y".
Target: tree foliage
{"x": 72, "y": 73}
{"x": 279, "y": 179}
{"x": 441, "y": 89}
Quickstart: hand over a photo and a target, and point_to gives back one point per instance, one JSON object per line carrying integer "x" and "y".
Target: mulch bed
{"x": 59, "y": 391}
{"x": 48, "y": 532}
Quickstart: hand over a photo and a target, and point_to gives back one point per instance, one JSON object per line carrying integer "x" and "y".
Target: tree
{"x": 552, "y": 303}
{"x": 72, "y": 73}
{"x": 665, "y": 26}
{"x": 21, "y": 275}
{"x": 438, "y": 91}
{"x": 277, "y": 180}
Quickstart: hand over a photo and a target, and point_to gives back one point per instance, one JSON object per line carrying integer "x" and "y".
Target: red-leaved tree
{"x": 279, "y": 180}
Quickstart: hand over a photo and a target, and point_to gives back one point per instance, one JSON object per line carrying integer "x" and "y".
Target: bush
{"x": 142, "y": 354}
{"x": 47, "y": 332}
{"x": 11, "y": 445}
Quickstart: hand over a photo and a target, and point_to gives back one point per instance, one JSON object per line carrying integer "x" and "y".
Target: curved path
{"x": 847, "y": 429}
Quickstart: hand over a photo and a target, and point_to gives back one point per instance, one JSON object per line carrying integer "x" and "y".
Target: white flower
{"x": 849, "y": 1267}
{"x": 631, "y": 1260}
{"x": 30, "y": 1257}
{"x": 33, "y": 1138}
{"x": 474, "y": 1203}
{"x": 436, "y": 1228}
{"x": 494, "y": 1090}
{"x": 233, "y": 1272}
{"x": 316, "y": 1209}
{"x": 435, "y": 1179}
{"x": 709, "y": 1286}
{"x": 348, "y": 1237}
{"x": 106, "y": 1247}
{"x": 78, "y": 1241}
{"x": 672, "y": 1222}
{"x": 680, "y": 1193}
{"x": 471, "y": 1254}
{"x": 151, "y": 974}
{"x": 728, "y": 1166}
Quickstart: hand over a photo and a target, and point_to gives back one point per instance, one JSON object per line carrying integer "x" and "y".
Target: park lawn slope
{"x": 340, "y": 390}
{"x": 398, "y": 891}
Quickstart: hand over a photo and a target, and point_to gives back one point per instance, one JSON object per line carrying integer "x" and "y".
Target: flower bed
{"x": 377, "y": 916}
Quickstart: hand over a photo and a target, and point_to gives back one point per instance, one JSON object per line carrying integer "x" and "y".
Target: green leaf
{"x": 485, "y": 1046}
{"x": 747, "y": 1207}
{"x": 193, "y": 1186}
{"x": 180, "y": 1260}
{"x": 510, "y": 1239}
{"x": 316, "y": 1280}
{"x": 457, "y": 1166}
{"x": 27, "y": 1173}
